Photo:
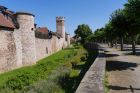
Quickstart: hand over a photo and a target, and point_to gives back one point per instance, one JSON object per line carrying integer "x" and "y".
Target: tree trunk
{"x": 116, "y": 44}
{"x": 108, "y": 43}
{"x": 121, "y": 44}
{"x": 133, "y": 46}
{"x": 111, "y": 44}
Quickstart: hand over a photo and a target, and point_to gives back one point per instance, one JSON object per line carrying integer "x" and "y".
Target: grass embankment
{"x": 106, "y": 83}
{"x": 58, "y": 73}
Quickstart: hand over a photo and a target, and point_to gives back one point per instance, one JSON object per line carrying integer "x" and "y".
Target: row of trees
{"x": 124, "y": 25}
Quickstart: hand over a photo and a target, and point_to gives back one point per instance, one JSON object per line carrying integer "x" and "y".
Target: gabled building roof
{"x": 3, "y": 7}
{"x": 42, "y": 33}
{"x": 9, "y": 12}
{"x": 43, "y": 30}
{"x": 56, "y": 34}
{"x": 5, "y": 22}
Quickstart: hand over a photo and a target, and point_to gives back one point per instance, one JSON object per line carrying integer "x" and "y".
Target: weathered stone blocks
{"x": 21, "y": 48}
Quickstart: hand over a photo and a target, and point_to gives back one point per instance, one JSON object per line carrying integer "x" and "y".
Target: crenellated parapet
{"x": 60, "y": 18}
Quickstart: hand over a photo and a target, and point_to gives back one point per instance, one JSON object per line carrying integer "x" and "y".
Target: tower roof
{"x": 43, "y": 30}
{"x": 25, "y": 13}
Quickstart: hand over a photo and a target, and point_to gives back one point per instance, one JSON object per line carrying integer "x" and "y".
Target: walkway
{"x": 123, "y": 70}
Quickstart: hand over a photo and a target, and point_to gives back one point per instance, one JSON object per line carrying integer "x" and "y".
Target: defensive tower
{"x": 60, "y": 26}
{"x": 26, "y": 27}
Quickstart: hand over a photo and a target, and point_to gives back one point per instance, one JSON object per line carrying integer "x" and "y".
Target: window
{"x": 32, "y": 29}
{"x": 46, "y": 50}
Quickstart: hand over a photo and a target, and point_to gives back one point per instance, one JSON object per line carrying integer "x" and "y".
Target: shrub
{"x": 52, "y": 83}
{"x": 8, "y": 90}
{"x": 21, "y": 80}
{"x": 83, "y": 58}
{"x": 68, "y": 64}
{"x": 75, "y": 53}
{"x": 75, "y": 61}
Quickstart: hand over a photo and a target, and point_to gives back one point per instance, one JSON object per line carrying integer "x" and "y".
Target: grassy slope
{"x": 55, "y": 65}
{"x": 41, "y": 69}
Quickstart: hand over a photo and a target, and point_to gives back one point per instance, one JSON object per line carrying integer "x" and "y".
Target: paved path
{"x": 123, "y": 70}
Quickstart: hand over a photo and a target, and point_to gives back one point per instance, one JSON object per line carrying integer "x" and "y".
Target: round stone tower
{"x": 26, "y": 27}
{"x": 60, "y": 26}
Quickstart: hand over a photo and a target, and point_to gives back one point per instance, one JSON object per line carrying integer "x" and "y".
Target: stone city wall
{"x": 7, "y": 51}
{"x": 21, "y": 48}
{"x": 15, "y": 49}
{"x": 46, "y": 47}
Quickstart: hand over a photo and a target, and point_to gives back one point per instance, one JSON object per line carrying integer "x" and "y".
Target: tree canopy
{"x": 118, "y": 22}
{"x": 124, "y": 24}
{"x": 132, "y": 9}
{"x": 83, "y": 31}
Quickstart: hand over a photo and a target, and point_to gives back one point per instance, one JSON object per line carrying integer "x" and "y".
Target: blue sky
{"x": 95, "y": 13}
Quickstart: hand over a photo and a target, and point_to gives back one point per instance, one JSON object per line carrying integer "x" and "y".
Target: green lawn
{"x": 58, "y": 73}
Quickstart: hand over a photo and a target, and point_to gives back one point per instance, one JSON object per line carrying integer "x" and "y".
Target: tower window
{"x": 32, "y": 28}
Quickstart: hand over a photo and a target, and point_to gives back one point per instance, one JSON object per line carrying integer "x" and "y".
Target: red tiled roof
{"x": 5, "y": 22}
{"x": 43, "y": 29}
{"x": 9, "y": 12}
{"x": 42, "y": 32}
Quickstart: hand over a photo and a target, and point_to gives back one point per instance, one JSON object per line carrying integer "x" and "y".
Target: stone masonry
{"x": 19, "y": 46}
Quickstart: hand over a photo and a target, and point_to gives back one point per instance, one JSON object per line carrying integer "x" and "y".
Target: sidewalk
{"x": 123, "y": 71}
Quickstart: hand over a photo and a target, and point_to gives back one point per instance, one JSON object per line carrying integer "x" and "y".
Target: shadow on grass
{"x": 72, "y": 83}
{"x": 79, "y": 67}
{"x": 118, "y": 65}
{"x": 69, "y": 48}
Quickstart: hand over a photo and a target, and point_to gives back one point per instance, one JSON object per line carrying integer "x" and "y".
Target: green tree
{"x": 83, "y": 31}
{"x": 118, "y": 21}
{"x": 133, "y": 23}
{"x": 132, "y": 9}
{"x": 99, "y": 35}
{"x": 91, "y": 38}
{"x": 110, "y": 36}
